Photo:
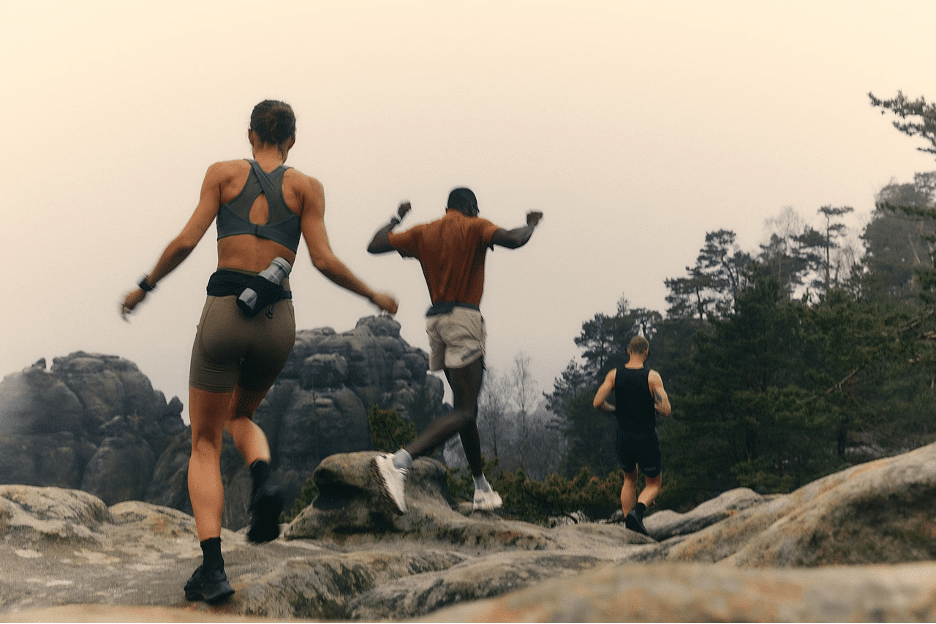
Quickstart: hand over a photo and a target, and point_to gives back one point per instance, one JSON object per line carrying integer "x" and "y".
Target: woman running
{"x": 247, "y": 327}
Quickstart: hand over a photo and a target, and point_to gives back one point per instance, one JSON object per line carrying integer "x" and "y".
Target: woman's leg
{"x": 248, "y": 437}
{"x": 266, "y": 502}
{"x": 208, "y": 412}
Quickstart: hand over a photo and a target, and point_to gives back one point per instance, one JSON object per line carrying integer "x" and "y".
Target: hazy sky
{"x": 636, "y": 127}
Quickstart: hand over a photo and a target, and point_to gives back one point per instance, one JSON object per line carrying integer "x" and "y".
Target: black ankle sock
{"x": 211, "y": 552}
{"x": 260, "y": 471}
{"x": 640, "y": 509}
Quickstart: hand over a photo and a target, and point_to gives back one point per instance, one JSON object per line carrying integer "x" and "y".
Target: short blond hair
{"x": 638, "y": 345}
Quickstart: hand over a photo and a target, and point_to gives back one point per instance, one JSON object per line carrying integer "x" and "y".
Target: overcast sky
{"x": 636, "y": 127}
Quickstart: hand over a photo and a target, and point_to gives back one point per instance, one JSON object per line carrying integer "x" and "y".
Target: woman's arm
{"x": 182, "y": 245}
{"x": 323, "y": 258}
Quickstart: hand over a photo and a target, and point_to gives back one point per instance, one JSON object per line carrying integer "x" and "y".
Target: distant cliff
{"x": 94, "y": 422}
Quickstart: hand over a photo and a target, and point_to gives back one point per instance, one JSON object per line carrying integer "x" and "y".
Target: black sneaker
{"x": 633, "y": 522}
{"x": 266, "y": 504}
{"x": 210, "y": 585}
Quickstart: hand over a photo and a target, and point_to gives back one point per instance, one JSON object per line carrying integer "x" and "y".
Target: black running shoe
{"x": 266, "y": 504}
{"x": 210, "y": 585}
{"x": 633, "y": 522}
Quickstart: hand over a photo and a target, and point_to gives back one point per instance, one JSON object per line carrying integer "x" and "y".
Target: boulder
{"x": 875, "y": 513}
{"x": 880, "y": 512}
{"x": 666, "y": 523}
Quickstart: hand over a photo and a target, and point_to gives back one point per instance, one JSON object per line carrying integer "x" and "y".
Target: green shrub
{"x": 389, "y": 432}
{"x": 535, "y": 501}
{"x": 460, "y": 483}
{"x": 306, "y": 495}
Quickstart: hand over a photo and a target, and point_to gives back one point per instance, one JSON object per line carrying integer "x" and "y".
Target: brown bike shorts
{"x": 233, "y": 350}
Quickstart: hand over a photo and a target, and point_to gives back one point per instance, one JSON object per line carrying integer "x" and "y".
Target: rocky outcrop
{"x": 873, "y": 513}
{"x": 91, "y": 422}
{"x": 738, "y": 557}
{"x": 710, "y": 593}
{"x": 94, "y": 422}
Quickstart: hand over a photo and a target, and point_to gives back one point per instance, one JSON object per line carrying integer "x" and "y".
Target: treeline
{"x": 783, "y": 366}
{"x": 811, "y": 354}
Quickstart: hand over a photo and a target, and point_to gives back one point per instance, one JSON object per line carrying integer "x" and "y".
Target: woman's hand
{"x": 385, "y": 302}
{"x": 131, "y": 300}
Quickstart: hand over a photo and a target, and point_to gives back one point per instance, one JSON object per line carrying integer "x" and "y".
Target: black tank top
{"x": 283, "y": 224}
{"x": 634, "y": 405}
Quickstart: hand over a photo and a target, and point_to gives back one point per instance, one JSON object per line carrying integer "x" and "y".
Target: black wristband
{"x": 144, "y": 286}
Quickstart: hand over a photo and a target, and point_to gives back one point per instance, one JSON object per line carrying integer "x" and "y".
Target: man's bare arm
{"x": 381, "y": 241}
{"x": 517, "y": 237}
{"x": 660, "y": 398}
{"x": 604, "y": 390}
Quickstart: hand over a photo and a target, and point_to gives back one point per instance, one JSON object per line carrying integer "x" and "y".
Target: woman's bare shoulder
{"x": 307, "y": 190}
{"x": 294, "y": 176}
{"x": 227, "y": 168}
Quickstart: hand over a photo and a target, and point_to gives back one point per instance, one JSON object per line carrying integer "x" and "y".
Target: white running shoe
{"x": 486, "y": 501}
{"x": 390, "y": 481}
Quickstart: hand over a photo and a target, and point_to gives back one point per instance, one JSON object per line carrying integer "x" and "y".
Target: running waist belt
{"x": 444, "y": 307}
{"x": 224, "y": 283}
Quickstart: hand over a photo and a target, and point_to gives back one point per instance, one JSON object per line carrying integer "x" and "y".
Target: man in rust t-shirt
{"x": 451, "y": 251}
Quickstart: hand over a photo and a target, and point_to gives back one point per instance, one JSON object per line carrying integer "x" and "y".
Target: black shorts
{"x": 639, "y": 449}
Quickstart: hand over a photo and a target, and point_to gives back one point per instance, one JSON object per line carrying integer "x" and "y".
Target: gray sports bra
{"x": 282, "y": 226}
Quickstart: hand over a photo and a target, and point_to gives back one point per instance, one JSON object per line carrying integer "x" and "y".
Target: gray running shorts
{"x": 456, "y": 338}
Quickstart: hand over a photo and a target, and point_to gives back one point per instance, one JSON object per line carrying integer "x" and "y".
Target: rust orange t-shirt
{"x": 451, "y": 251}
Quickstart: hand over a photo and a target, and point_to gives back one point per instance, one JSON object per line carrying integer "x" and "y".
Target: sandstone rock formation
{"x": 94, "y": 422}
{"x": 856, "y": 545}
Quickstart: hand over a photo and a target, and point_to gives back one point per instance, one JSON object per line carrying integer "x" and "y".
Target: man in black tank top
{"x": 638, "y": 395}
